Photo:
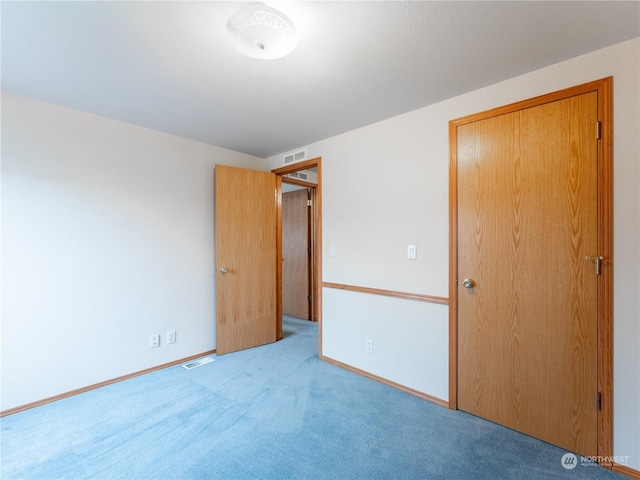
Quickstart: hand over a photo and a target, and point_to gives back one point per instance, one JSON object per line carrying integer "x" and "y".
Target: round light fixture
{"x": 260, "y": 31}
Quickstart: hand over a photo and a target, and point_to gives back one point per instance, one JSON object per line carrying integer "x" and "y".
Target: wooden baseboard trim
{"x": 388, "y": 293}
{"x": 624, "y": 470}
{"x": 21, "y": 408}
{"x": 424, "y": 396}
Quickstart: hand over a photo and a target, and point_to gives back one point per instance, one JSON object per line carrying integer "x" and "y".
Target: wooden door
{"x": 246, "y": 250}
{"x": 526, "y": 219}
{"x": 295, "y": 254}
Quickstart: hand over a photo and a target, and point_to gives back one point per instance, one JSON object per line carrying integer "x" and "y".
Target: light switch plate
{"x": 411, "y": 252}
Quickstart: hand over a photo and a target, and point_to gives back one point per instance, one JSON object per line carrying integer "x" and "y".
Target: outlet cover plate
{"x": 368, "y": 345}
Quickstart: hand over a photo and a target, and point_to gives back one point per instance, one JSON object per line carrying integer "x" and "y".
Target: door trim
{"x": 604, "y": 89}
{"x": 316, "y": 261}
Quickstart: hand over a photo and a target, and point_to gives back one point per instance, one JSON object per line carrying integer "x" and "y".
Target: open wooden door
{"x": 246, "y": 253}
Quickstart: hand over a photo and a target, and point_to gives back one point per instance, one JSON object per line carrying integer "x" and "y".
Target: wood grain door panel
{"x": 527, "y": 217}
{"x": 245, "y": 232}
{"x": 295, "y": 254}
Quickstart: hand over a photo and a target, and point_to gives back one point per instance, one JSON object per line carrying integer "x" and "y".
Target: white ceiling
{"x": 169, "y": 66}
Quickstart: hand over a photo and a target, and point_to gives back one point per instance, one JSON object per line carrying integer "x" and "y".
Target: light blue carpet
{"x": 273, "y": 412}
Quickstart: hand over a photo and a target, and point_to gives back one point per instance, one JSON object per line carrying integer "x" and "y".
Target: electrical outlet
{"x": 171, "y": 336}
{"x": 154, "y": 341}
{"x": 368, "y": 345}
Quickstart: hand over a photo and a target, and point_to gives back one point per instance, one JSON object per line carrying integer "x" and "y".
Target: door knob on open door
{"x": 597, "y": 261}
{"x": 222, "y": 270}
{"x": 468, "y": 283}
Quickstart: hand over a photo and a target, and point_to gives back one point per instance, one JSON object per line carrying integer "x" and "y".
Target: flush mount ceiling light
{"x": 260, "y": 31}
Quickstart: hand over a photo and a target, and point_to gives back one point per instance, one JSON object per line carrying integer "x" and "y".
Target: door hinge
{"x": 598, "y": 401}
{"x": 598, "y": 130}
{"x": 309, "y": 203}
{"x": 308, "y": 298}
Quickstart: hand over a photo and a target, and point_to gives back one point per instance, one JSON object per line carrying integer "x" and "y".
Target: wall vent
{"x": 294, "y": 157}
{"x": 299, "y": 175}
{"x": 198, "y": 363}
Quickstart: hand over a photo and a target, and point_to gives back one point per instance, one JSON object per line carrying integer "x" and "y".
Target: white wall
{"x": 107, "y": 237}
{"x": 386, "y": 186}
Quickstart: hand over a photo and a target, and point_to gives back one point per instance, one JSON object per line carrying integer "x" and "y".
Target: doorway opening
{"x": 288, "y": 181}
{"x": 297, "y": 251}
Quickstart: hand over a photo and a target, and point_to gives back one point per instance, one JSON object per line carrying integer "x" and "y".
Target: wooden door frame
{"x": 316, "y": 258}
{"x": 604, "y": 89}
